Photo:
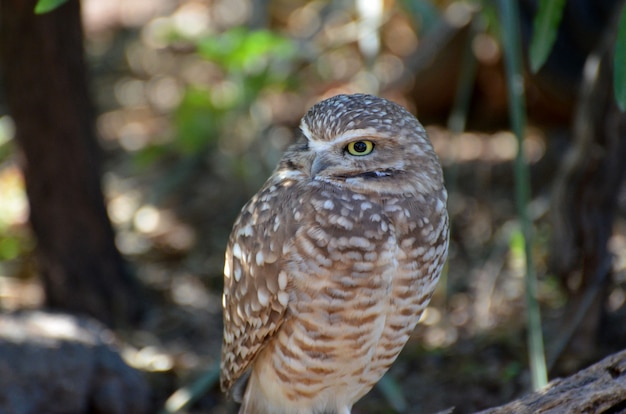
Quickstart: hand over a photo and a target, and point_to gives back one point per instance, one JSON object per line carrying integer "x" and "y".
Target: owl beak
{"x": 320, "y": 163}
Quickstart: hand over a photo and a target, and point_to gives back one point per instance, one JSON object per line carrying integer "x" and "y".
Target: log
{"x": 601, "y": 388}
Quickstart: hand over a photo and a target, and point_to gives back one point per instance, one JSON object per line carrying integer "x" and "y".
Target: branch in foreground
{"x": 601, "y": 388}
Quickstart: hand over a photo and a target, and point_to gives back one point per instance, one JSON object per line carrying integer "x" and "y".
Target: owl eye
{"x": 359, "y": 148}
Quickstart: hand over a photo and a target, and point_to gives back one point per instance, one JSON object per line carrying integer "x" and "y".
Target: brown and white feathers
{"x": 330, "y": 265}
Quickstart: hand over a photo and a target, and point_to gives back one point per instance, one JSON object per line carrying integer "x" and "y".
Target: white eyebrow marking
{"x": 305, "y": 130}
{"x": 321, "y": 146}
{"x": 288, "y": 174}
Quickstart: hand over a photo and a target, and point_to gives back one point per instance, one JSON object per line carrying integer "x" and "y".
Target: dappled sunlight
{"x": 498, "y": 147}
{"x": 18, "y": 294}
{"x": 14, "y": 207}
{"x": 16, "y": 242}
{"x": 149, "y": 359}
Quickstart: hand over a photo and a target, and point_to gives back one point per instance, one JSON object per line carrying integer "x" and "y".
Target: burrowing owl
{"x": 331, "y": 263}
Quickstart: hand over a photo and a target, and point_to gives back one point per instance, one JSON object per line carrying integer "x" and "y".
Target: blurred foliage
{"x": 251, "y": 53}
{"x": 546, "y": 26}
{"x": 426, "y": 15}
{"x": 14, "y": 238}
{"x": 197, "y": 120}
{"x": 45, "y": 6}
{"x": 545, "y": 30}
{"x": 511, "y": 371}
{"x": 251, "y": 62}
{"x": 516, "y": 248}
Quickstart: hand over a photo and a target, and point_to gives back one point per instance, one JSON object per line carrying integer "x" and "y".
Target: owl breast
{"x": 361, "y": 272}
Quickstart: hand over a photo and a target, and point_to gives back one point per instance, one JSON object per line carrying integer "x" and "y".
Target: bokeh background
{"x": 196, "y": 101}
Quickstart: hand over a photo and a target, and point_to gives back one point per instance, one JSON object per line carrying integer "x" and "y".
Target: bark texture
{"x": 601, "y": 388}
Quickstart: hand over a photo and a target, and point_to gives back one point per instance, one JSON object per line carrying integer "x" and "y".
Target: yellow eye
{"x": 359, "y": 148}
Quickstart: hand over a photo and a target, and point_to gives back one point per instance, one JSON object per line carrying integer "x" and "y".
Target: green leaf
{"x": 619, "y": 64}
{"x": 44, "y": 6}
{"x": 545, "y": 28}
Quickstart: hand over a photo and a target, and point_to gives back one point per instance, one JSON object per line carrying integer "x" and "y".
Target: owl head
{"x": 367, "y": 143}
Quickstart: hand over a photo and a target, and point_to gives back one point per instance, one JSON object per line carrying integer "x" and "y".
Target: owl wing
{"x": 255, "y": 282}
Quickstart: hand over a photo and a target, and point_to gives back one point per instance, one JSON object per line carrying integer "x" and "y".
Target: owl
{"x": 330, "y": 265}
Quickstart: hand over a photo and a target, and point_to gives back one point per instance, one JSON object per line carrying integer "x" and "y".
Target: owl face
{"x": 366, "y": 144}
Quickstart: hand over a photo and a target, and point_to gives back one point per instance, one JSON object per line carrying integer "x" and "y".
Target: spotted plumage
{"x": 330, "y": 265}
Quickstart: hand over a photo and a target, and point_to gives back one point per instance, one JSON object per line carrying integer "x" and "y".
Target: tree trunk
{"x": 46, "y": 89}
